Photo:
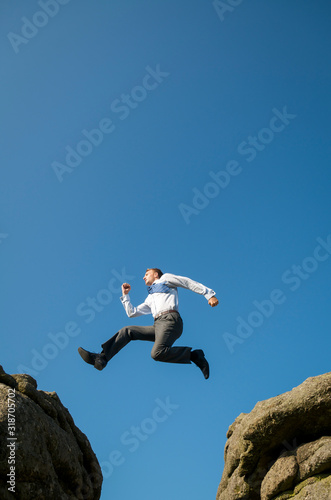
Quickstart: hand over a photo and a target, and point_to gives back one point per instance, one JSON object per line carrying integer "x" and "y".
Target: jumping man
{"x": 162, "y": 303}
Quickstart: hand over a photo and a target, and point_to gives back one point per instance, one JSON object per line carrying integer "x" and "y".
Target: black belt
{"x": 165, "y": 312}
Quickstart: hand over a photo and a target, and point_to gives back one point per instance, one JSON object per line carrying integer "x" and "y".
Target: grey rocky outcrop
{"x": 282, "y": 449}
{"x": 50, "y": 457}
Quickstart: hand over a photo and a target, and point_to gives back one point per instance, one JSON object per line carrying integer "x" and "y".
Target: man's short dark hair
{"x": 158, "y": 271}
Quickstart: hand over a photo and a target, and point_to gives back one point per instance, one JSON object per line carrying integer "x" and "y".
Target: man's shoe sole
{"x": 205, "y": 369}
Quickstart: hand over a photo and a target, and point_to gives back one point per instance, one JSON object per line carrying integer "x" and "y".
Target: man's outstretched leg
{"x": 116, "y": 343}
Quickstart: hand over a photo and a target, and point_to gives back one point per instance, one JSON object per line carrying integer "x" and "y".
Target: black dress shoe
{"x": 100, "y": 362}
{"x": 88, "y": 357}
{"x": 198, "y": 357}
{"x": 97, "y": 360}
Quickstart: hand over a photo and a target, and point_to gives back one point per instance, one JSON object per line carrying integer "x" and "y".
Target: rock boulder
{"x": 43, "y": 454}
{"x": 282, "y": 449}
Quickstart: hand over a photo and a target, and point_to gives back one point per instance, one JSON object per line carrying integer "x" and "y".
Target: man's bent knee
{"x": 159, "y": 354}
{"x": 125, "y": 332}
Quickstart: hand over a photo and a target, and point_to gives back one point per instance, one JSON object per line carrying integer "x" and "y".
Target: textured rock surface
{"x": 282, "y": 449}
{"x": 53, "y": 458}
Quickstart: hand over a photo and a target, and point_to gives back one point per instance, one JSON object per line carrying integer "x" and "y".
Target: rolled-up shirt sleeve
{"x": 192, "y": 285}
{"x": 132, "y": 311}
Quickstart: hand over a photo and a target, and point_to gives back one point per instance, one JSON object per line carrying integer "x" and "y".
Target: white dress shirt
{"x": 156, "y": 303}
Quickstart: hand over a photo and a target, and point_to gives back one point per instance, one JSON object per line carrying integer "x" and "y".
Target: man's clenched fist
{"x": 126, "y": 288}
{"x": 213, "y": 301}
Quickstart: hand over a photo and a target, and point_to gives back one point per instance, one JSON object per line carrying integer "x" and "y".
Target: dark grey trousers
{"x": 165, "y": 331}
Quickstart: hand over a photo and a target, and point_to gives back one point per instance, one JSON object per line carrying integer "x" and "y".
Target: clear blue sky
{"x": 212, "y": 162}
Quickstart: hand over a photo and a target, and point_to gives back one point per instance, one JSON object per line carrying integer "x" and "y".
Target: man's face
{"x": 150, "y": 277}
